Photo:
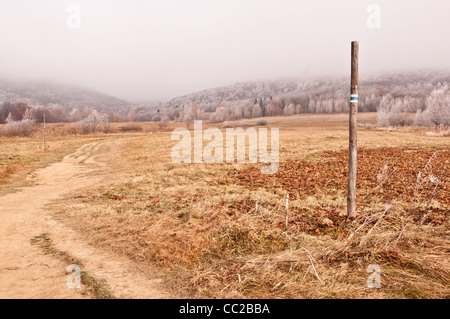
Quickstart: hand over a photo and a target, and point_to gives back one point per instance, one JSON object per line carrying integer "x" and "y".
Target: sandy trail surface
{"x": 27, "y": 271}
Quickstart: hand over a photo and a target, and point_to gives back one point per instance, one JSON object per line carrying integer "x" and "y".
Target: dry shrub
{"x": 243, "y": 124}
{"x": 22, "y": 128}
{"x": 129, "y": 128}
{"x": 441, "y": 133}
{"x": 261, "y": 122}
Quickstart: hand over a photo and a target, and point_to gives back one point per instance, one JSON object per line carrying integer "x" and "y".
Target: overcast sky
{"x": 158, "y": 49}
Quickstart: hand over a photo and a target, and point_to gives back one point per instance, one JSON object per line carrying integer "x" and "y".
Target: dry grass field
{"x": 223, "y": 230}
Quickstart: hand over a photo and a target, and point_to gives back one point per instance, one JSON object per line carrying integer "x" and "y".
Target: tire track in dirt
{"x": 27, "y": 272}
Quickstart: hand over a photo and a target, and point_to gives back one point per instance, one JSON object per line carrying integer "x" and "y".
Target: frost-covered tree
{"x": 394, "y": 112}
{"x": 24, "y": 127}
{"x": 75, "y": 115}
{"x": 191, "y": 113}
{"x": 237, "y": 111}
{"x": 220, "y": 115}
{"x": 156, "y": 118}
{"x": 437, "y": 110}
{"x": 289, "y": 110}
{"x": 384, "y": 109}
{"x": 93, "y": 122}
{"x": 419, "y": 119}
{"x": 30, "y": 114}
{"x": 256, "y": 110}
{"x": 273, "y": 109}
{"x": 164, "y": 122}
{"x": 16, "y": 110}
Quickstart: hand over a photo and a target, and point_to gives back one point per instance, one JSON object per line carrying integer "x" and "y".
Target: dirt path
{"x": 27, "y": 272}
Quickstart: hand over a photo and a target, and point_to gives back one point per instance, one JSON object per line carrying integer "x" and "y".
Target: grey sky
{"x": 158, "y": 49}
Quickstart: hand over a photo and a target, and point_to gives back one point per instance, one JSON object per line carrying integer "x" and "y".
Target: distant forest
{"x": 392, "y": 95}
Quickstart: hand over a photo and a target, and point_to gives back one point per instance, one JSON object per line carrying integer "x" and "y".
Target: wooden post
{"x": 45, "y": 136}
{"x": 353, "y": 145}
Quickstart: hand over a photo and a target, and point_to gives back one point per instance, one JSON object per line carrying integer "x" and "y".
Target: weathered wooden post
{"x": 45, "y": 136}
{"x": 353, "y": 145}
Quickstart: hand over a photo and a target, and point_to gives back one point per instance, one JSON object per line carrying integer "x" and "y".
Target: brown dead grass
{"x": 200, "y": 223}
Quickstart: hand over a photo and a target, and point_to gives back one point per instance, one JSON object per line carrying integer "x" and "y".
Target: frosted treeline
{"x": 399, "y": 98}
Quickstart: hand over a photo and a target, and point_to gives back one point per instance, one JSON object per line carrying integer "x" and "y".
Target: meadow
{"x": 225, "y": 231}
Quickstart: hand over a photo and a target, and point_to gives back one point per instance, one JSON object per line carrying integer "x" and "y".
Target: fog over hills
{"x": 293, "y": 96}
{"x": 42, "y": 93}
{"x": 396, "y": 83}
{"x": 155, "y": 50}
{"x": 240, "y": 100}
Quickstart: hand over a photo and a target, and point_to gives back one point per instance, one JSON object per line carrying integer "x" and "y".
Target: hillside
{"x": 407, "y": 91}
{"x": 294, "y": 96}
{"x": 45, "y": 93}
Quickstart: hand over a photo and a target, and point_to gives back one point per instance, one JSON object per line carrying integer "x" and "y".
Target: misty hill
{"x": 45, "y": 93}
{"x": 405, "y": 92}
{"x": 293, "y": 96}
